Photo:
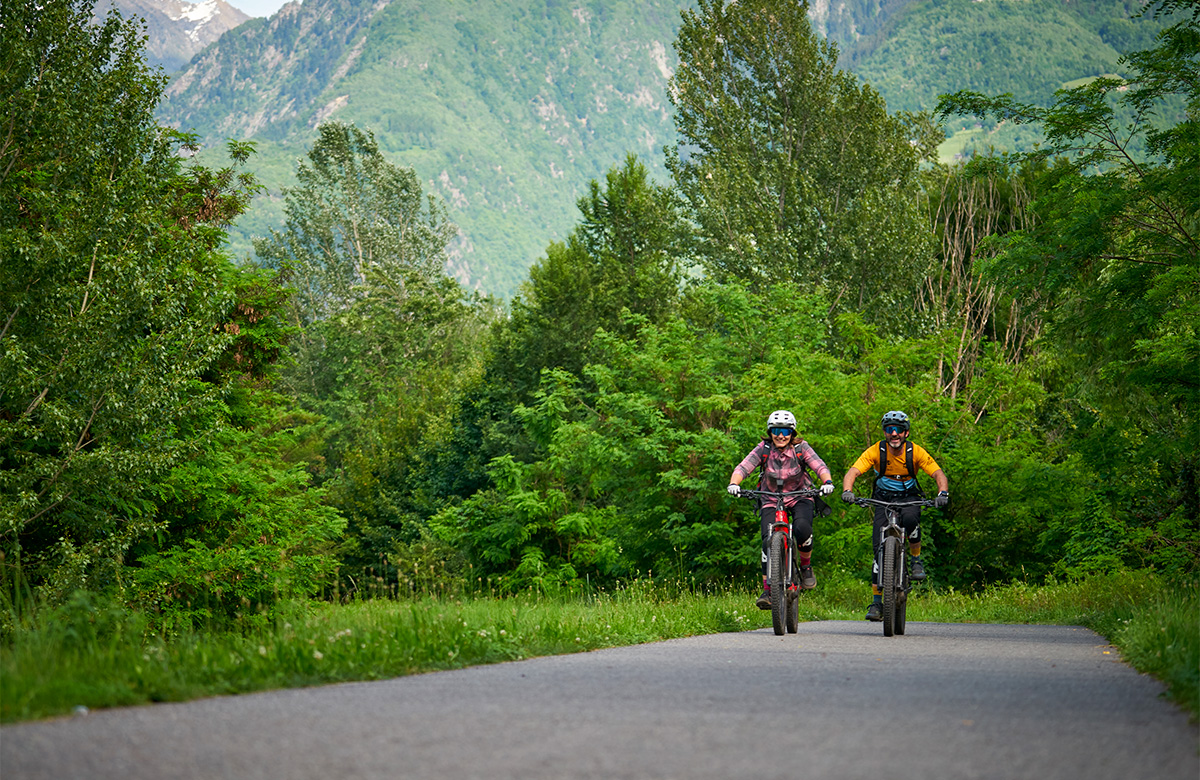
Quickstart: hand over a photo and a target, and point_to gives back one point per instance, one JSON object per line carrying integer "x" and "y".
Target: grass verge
{"x": 88, "y": 655}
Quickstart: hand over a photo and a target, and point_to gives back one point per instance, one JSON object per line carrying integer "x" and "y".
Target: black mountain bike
{"x": 783, "y": 573}
{"x": 891, "y": 561}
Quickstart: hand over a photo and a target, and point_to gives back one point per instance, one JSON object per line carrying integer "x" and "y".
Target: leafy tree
{"x": 627, "y": 253}
{"x": 113, "y": 298}
{"x": 387, "y": 339}
{"x": 1113, "y": 256}
{"x": 793, "y": 170}
{"x": 968, "y": 207}
{"x": 358, "y": 229}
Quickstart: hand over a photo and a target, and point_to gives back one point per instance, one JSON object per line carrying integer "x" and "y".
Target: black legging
{"x": 910, "y": 521}
{"x": 801, "y": 514}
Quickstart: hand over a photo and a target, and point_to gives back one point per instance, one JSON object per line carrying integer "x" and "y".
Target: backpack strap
{"x": 909, "y": 464}
{"x": 908, "y": 459}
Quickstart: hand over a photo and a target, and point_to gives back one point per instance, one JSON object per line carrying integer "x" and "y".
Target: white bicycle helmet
{"x": 899, "y": 419}
{"x": 781, "y": 419}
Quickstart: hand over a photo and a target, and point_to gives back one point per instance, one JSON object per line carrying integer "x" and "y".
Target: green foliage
{"x": 795, "y": 172}
{"x": 243, "y": 531}
{"x": 113, "y": 298}
{"x": 385, "y": 338}
{"x": 92, "y": 654}
{"x": 634, "y": 460}
{"x": 627, "y": 254}
{"x": 1111, "y": 259}
{"x": 354, "y": 215}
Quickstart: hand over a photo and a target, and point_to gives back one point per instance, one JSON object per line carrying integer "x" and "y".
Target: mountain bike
{"x": 891, "y": 562}
{"x": 783, "y": 574}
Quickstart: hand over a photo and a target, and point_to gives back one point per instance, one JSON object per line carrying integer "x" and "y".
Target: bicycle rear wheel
{"x": 775, "y": 568}
{"x": 889, "y": 579}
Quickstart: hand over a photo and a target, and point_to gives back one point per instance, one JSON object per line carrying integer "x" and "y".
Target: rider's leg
{"x": 802, "y": 532}
{"x": 875, "y": 610}
{"x": 910, "y": 518}
{"x": 766, "y": 516}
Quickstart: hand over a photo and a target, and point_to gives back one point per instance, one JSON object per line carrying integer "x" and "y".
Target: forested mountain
{"x": 506, "y": 108}
{"x": 177, "y": 30}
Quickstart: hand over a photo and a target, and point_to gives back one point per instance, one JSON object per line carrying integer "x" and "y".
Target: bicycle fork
{"x": 892, "y": 531}
{"x": 781, "y": 526}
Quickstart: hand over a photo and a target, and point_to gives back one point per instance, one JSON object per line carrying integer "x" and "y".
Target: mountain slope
{"x": 177, "y": 30}
{"x": 506, "y": 108}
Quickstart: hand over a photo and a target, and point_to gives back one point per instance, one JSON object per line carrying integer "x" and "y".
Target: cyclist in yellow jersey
{"x": 897, "y": 481}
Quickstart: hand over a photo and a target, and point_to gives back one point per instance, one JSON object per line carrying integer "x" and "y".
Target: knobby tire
{"x": 779, "y": 595}
{"x": 890, "y": 579}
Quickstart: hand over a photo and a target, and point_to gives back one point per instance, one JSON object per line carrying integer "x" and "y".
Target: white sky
{"x": 256, "y": 7}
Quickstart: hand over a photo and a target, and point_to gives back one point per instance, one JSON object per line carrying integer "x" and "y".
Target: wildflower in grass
{"x": 318, "y": 655}
{"x": 262, "y": 650}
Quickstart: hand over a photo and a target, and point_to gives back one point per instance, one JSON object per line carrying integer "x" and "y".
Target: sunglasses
{"x": 893, "y": 429}
{"x": 781, "y": 431}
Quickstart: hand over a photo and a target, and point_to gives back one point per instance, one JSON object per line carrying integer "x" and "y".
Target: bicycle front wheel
{"x": 779, "y": 596}
{"x": 889, "y": 578}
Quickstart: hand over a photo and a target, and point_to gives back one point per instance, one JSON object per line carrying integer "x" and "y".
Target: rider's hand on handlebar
{"x": 734, "y": 490}
{"x": 848, "y": 496}
{"x": 941, "y": 499}
{"x": 827, "y": 488}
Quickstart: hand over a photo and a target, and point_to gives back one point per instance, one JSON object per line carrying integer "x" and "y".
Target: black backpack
{"x": 908, "y": 465}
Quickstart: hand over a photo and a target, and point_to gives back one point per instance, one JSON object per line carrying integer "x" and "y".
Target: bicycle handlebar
{"x": 924, "y": 502}
{"x": 807, "y": 493}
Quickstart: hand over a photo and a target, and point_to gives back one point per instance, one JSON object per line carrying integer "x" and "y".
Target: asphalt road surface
{"x": 837, "y": 700}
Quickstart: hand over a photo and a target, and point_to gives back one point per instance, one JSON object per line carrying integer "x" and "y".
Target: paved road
{"x": 837, "y": 700}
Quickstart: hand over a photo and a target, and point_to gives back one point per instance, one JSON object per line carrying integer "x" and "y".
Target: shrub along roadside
{"x": 88, "y": 655}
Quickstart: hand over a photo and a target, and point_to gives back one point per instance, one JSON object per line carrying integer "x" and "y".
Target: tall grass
{"x": 91, "y": 654}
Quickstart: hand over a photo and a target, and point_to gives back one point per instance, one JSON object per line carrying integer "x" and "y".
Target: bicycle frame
{"x": 891, "y": 563}
{"x": 781, "y": 561}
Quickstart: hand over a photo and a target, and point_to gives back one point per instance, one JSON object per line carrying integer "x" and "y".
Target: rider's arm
{"x": 926, "y": 463}
{"x": 814, "y": 462}
{"x": 848, "y": 480}
{"x": 746, "y": 467}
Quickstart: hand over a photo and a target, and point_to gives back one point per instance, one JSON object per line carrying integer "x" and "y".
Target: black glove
{"x": 941, "y": 499}
{"x": 848, "y": 496}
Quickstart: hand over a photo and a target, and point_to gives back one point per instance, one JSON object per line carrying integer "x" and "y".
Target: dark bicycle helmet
{"x": 895, "y": 418}
{"x": 781, "y": 419}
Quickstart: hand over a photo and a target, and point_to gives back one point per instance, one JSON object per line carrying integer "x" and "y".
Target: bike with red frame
{"x": 783, "y": 573}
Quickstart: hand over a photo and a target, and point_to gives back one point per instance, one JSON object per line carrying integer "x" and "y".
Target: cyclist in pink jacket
{"x": 785, "y": 460}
